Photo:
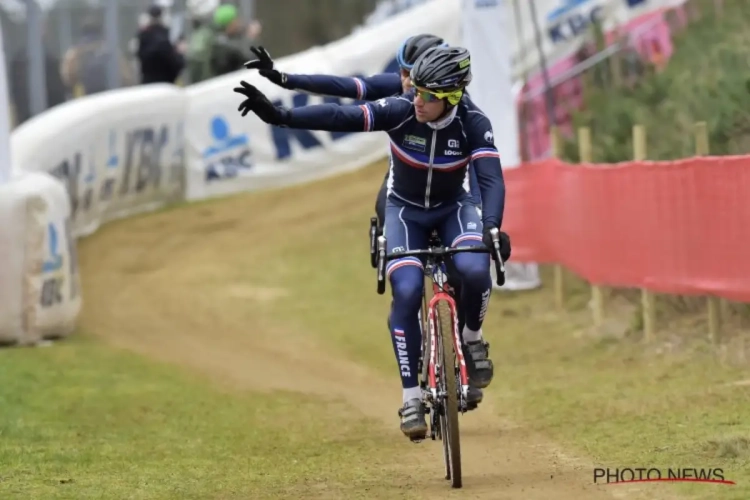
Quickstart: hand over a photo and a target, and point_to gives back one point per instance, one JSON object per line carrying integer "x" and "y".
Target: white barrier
{"x": 39, "y": 284}
{"x": 118, "y": 153}
{"x": 231, "y": 154}
{"x": 123, "y": 152}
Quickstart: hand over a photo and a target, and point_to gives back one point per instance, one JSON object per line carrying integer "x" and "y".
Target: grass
{"x": 705, "y": 80}
{"x": 625, "y": 403}
{"x": 82, "y": 420}
{"x": 616, "y": 400}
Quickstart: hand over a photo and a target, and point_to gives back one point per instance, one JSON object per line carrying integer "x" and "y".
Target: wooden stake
{"x": 713, "y": 303}
{"x": 557, "y": 270}
{"x": 647, "y": 298}
{"x": 597, "y": 297}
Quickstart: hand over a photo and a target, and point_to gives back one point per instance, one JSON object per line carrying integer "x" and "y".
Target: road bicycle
{"x": 444, "y": 391}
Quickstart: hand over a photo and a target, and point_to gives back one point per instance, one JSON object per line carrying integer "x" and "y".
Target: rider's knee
{"x": 473, "y": 268}
{"x": 406, "y": 284}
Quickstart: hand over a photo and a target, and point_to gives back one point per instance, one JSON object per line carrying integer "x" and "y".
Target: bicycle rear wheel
{"x": 449, "y": 416}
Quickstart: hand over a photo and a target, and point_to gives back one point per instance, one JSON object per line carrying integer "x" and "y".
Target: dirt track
{"x": 165, "y": 286}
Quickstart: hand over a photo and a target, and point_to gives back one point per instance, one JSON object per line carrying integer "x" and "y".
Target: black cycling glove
{"x": 259, "y": 104}
{"x": 504, "y": 243}
{"x": 264, "y": 65}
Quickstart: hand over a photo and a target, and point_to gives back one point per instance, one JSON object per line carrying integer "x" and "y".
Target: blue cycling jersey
{"x": 429, "y": 161}
{"x": 364, "y": 89}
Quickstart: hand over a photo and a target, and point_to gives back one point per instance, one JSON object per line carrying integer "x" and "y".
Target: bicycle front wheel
{"x": 447, "y": 357}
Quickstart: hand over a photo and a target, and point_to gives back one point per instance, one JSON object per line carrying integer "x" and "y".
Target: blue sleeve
{"x": 369, "y": 89}
{"x": 474, "y": 186}
{"x": 385, "y": 114}
{"x": 485, "y": 160}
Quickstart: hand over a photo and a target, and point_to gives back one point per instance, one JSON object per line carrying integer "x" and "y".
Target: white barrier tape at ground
{"x": 127, "y": 151}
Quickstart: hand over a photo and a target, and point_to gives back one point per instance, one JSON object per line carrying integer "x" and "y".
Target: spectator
{"x": 160, "y": 61}
{"x": 19, "y": 83}
{"x": 232, "y": 43}
{"x": 199, "y": 50}
{"x": 84, "y": 66}
{"x": 223, "y": 47}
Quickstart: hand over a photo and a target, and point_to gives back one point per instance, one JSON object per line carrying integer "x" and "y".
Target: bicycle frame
{"x": 434, "y": 269}
{"x": 439, "y": 280}
{"x": 441, "y": 386}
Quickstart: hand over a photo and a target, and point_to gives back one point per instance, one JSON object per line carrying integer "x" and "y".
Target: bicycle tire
{"x": 442, "y": 421}
{"x": 451, "y": 433}
{"x": 425, "y": 355}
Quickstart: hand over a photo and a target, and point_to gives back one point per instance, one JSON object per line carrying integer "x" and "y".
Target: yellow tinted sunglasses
{"x": 429, "y": 96}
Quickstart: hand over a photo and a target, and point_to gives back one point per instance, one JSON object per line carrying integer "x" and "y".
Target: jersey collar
{"x": 444, "y": 121}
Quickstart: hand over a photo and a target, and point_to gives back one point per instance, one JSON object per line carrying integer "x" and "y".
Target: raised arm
{"x": 366, "y": 89}
{"x": 370, "y": 88}
{"x": 384, "y": 114}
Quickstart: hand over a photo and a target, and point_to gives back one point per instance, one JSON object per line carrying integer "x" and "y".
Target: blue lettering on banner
{"x": 88, "y": 180}
{"x": 229, "y": 155}
{"x": 283, "y": 137}
{"x": 143, "y": 154}
{"x": 482, "y": 4}
{"x": 53, "y": 262}
{"x": 568, "y": 22}
{"x": 564, "y": 9}
{"x": 68, "y": 171}
{"x": 113, "y": 161}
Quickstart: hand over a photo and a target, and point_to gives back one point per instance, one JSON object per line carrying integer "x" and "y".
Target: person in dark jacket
{"x": 160, "y": 60}
{"x": 19, "y": 84}
{"x": 229, "y": 48}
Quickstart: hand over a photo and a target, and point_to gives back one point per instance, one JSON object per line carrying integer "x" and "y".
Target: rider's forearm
{"x": 492, "y": 187}
{"x": 476, "y": 194}
{"x": 336, "y": 86}
{"x": 331, "y": 117}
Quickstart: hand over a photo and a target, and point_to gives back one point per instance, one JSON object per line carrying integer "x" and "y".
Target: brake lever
{"x": 499, "y": 264}
{"x": 381, "y": 264}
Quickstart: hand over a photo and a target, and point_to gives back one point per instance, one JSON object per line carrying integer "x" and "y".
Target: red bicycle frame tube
{"x": 432, "y": 371}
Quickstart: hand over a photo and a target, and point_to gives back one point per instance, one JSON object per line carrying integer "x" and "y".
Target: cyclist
{"x": 370, "y": 89}
{"x": 435, "y": 131}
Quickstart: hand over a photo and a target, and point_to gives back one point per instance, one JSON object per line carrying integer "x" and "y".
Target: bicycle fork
{"x": 434, "y": 366}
